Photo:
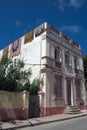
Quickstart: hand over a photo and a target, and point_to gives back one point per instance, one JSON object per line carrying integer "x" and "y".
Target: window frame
{"x": 78, "y": 91}
{"x": 55, "y": 88}
{"x": 76, "y": 59}
{"x": 69, "y": 62}
{"x": 57, "y": 60}
{"x": 59, "y": 57}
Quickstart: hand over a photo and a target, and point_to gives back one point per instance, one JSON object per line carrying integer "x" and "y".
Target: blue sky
{"x": 18, "y": 17}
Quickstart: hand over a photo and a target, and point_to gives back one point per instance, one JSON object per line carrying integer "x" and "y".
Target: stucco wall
{"x": 41, "y": 50}
{"x": 14, "y": 105}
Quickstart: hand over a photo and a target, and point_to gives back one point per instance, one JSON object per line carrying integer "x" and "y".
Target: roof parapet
{"x": 61, "y": 35}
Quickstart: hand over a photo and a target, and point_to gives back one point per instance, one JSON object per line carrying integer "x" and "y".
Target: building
{"x": 57, "y": 61}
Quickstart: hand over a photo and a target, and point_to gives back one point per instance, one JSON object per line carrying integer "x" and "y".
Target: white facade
{"x": 41, "y": 55}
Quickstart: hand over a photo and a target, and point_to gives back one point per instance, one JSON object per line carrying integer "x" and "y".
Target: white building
{"x": 57, "y": 61}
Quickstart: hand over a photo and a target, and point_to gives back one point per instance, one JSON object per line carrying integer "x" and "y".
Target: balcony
{"x": 68, "y": 69}
{"x": 51, "y": 63}
{"x": 76, "y": 71}
{"x": 79, "y": 73}
{"x": 58, "y": 64}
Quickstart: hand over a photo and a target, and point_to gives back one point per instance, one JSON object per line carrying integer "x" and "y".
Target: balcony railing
{"x": 51, "y": 63}
{"x": 68, "y": 69}
{"x": 79, "y": 73}
{"x": 76, "y": 71}
{"x": 58, "y": 64}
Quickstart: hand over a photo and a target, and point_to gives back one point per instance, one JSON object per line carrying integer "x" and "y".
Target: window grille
{"x": 59, "y": 87}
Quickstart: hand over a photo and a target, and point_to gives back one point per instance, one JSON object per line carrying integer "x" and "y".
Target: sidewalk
{"x": 38, "y": 121}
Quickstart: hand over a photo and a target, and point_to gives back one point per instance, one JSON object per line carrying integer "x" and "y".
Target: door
{"x": 34, "y": 108}
{"x": 69, "y": 92}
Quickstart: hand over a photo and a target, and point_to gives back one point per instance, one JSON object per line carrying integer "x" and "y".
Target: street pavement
{"x": 73, "y": 124}
{"x": 38, "y": 121}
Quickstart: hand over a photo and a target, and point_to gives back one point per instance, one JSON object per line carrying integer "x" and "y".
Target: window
{"x": 57, "y": 58}
{"x": 75, "y": 62}
{"x": 78, "y": 89}
{"x": 76, "y": 65}
{"x": 67, "y": 58}
{"x": 59, "y": 87}
{"x": 57, "y": 54}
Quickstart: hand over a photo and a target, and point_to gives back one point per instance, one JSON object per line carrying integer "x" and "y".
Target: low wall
{"x": 14, "y": 105}
{"x": 48, "y": 111}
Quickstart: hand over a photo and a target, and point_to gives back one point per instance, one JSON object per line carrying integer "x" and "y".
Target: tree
{"x": 34, "y": 87}
{"x": 13, "y": 77}
{"x": 85, "y": 66}
{"x": 85, "y": 69}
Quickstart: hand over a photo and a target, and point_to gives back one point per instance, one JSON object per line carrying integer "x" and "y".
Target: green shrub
{"x": 15, "y": 78}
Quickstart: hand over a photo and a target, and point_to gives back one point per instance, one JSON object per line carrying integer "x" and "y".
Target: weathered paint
{"x": 39, "y": 55}
{"x": 14, "y": 105}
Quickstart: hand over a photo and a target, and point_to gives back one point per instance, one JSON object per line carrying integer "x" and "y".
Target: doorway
{"x": 34, "y": 108}
{"x": 69, "y": 93}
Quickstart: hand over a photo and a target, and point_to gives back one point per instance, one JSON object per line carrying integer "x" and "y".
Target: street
{"x": 72, "y": 124}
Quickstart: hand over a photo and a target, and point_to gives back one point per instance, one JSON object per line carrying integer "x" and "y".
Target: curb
{"x": 41, "y": 123}
{"x": 57, "y": 120}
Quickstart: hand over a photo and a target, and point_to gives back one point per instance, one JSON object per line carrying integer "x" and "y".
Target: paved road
{"x": 72, "y": 124}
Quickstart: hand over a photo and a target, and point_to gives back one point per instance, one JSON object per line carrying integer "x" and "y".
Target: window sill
{"x": 78, "y": 99}
{"x": 68, "y": 65}
{"x": 55, "y": 98}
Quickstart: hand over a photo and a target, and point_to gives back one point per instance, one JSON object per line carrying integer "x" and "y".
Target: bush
{"x": 15, "y": 78}
{"x": 34, "y": 87}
